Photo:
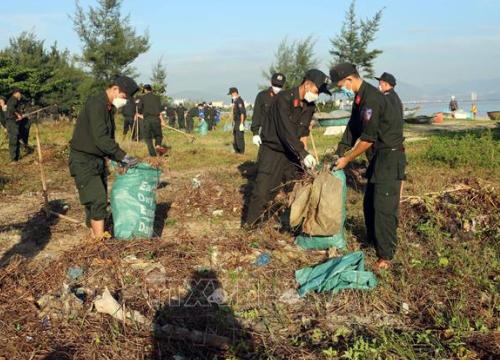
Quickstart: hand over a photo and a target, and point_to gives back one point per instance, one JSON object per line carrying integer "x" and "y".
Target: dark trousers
{"x": 24, "y": 132}
{"x": 182, "y": 122}
{"x": 171, "y": 121}
{"x": 238, "y": 140}
{"x": 128, "y": 124}
{"x": 13, "y": 130}
{"x": 273, "y": 169}
{"x": 90, "y": 174}
{"x": 381, "y": 210}
{"x": 189, "y": 124}
{"x": 152, "y": 131}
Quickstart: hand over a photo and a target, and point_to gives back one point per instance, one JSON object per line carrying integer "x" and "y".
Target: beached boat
{"x": 494, "y": 115}
{"x": 419, "y": 120}
{"x": 334, "y": 118}
{"x": 409, "y": 113}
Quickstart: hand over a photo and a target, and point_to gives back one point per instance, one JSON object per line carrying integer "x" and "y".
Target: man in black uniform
{"x": 375, "y": 124}
{"x": 180, "y": 116}
{"x": 93, "y": 141}
{"x": 282, "y": 153}
{"x": 129, "y": 113}
{"x": 151, "y": 110}
{"x": 171, "y": 114}
{"x": 386, "y": 84}
{"x": 239, "y": 116}
{"x": 262, "y": 104}
{"x": 210, "y": 116}
{"x": 191, "y": 114}
{"x": 3, "y": 109}
{"x": 13, "y": 122}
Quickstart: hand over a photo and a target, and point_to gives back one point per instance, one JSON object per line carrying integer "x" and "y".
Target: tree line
{"x": 49, "y": 75}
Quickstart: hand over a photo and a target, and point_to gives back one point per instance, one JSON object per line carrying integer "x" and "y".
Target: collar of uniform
{"x": 362, "y": 89}
{"x": 295, "y": 97}
{"x": 270, "y": 90}
{"x": 109, "y": 105}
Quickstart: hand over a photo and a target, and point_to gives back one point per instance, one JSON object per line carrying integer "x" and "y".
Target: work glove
{"x": 310, "y": 162}
{"x": 129, "y": 161}
{"x": 242, "y": 127}
{"x": 257, "y": 140}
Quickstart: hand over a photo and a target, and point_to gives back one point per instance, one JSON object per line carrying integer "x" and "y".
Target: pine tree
{"x": 351, "y": 45}
{"x": 159, "y": 77}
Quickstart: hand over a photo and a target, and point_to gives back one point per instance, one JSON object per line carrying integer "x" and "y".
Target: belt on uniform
{"x": 397, "y": 148}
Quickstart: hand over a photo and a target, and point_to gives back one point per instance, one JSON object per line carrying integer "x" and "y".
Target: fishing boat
{"x": 494, "y": 115}
{"x": 334, "y": 118}
{"x": 419, "y": 120}
{"x": 409, "y": 113}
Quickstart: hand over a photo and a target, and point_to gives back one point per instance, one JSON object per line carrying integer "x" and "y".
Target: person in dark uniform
{"x": 3, "y": 109}
{"x": 180, "y": 116}
{"x": 239, "y": 116}
{"x": 262, "y": 104}
{"x": 92, "y": 142}
{"x": 282, "y": 153}
{"x": 210, "y": 117}
{"x": 129, "y": 113}
{"x": 374, "y": 124}
{"x": 171, "y": 114}
{"x": 13, "y": 118}
{"x": 191, "y": 114}
{"x": 386, "y": 84}
{"x": 153, "y": 120}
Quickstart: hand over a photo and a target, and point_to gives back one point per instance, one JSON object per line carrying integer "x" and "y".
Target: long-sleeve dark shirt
{"x": 261, "y": 108}
{"x": 288, "y": 121}
{"x": 94, "y": 131}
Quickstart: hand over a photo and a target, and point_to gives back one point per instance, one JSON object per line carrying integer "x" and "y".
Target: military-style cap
{"x": 278, "y": 80}
{"x": 388, "y": 78}
{"x": 16, "y": 90}
{"x": 147, "y": 87}
{"x": 232, "y": 90}
{"x": 320, "y": 79}
{"x": 341, "y": 71}
{"x": 127, "y": 85}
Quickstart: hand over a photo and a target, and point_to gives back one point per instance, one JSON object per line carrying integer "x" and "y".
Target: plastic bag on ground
{"x": 133, "y": 202}
{"x": 346, "y": 272}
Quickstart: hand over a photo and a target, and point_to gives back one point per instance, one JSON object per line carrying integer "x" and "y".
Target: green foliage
{"x": 351, "y": 45}
{"x": 159, "y": 77}
{"x": 45, "y": 76}
{"x": 293, "y": 60}
{"x": 470, "y": 149}
{"x": 110, "y": 43}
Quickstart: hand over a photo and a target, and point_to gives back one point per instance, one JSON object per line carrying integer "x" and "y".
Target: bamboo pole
{"x": 193, "y": 138}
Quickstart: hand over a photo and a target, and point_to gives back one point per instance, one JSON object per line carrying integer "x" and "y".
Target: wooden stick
{"x": 45, "y": 193}
{"x": 198, "y": 337}
{"x": 314, "y": 147}
{"x": 436, "y": 193}
{"x": 193, "y": 138}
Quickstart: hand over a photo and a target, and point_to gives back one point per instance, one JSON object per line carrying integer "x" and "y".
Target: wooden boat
{"x": 409, "y": 113}
{"x": 419, "y": 120}
{"x": 494, "y": 115}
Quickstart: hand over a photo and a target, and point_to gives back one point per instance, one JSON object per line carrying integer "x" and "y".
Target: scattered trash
{"x": 59, "y": 306}
{"x": 405, "y": 308}
{"x": 263, "y": 259}
{"x": 156, "y": 275}
{"x": 217, "y": 213}
{"x": 106, "y": 304}
{"x": 195, "y": 182}
{"x": 290, "y": 297}
{"x": 217, "y": 297}
{"x": 75, "y": 272}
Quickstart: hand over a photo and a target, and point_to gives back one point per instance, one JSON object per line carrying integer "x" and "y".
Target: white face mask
{"x": 311, "y": 97}
{"x": 234, "y": 97}
{"x": 119, "y": 102}
{"x": 276, "y": 89}
{"x": 4, "y": 108}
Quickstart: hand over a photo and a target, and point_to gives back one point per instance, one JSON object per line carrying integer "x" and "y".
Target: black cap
{"x": 388, "y": 78}
{"x": 147, "y": 87}
{"x": 232, "y": 90}
{"x": 341, "y": 71}
{"x": 16, "y": 90}
{"x": 278, "y": 80}
{"x": 320, "y": 79}
{"x": 127, "y": 85}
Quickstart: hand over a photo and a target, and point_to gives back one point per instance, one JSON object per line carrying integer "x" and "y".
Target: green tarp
{"x": 133, "y": 202}
{"x": 346, "y": 272}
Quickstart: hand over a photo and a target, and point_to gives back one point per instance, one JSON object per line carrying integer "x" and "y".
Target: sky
{"x": 208, "y": 46}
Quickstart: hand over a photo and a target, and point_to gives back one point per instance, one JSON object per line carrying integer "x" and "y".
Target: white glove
{"x": 310, "y": 162}
{"x": 242, "y": 127}
{"x": 257, "y": 140}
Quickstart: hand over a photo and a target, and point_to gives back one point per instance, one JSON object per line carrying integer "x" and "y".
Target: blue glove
{"x": 129, "y": 161}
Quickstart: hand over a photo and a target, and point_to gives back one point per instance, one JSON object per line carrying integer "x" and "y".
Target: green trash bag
{"x": 203, "y": 128}
{"x": 133, "y": 202}
{"x": 315, "y": 242}
{"x": 346, "y": 272}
